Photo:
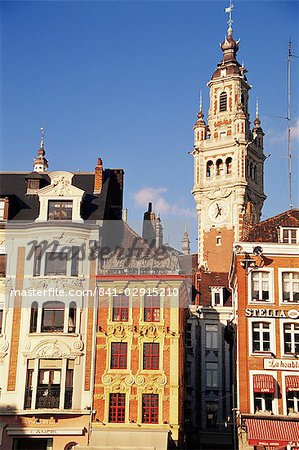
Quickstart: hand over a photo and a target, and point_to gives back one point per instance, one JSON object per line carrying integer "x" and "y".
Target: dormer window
{"x": 60, "y": 209}
{"x": 217, "y": 295}
{"x": 3, "y": 209}
{"x": 289, "y": 235}
{"x": 33, "y": 184}
{"x": 223, "y": 102}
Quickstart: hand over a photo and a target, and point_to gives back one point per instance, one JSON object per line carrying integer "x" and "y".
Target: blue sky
{"x": 121, "y": 80}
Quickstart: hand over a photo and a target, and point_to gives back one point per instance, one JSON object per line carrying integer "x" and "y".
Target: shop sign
{"x": 272, "y": 313}
{"x": 44, "y": 431}
{"x": 281, "y": 364}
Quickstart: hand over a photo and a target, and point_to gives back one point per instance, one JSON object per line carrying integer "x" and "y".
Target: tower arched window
{"x": 210, "y": 169}
{"x": 219, "y": 167}
{"x": 228, "y": 164}
{"x": 72, "y": 317}
{"x": 33, "y": 317}
{"x": 223, "y": 101}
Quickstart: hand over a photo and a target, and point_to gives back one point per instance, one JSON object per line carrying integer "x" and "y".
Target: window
{"x": 210, "y": 169}
{"x": 150, "y": 408}
{"x": 263, "y": 401}
{"x": 211, "y": 336}
{"x": 72, "y": 317}
{"x": 260, "y": 282}
{"x": 60, "y": 210}
{"x": 3, "y": 258}
{"x": 119, "y": 355}
{"x": 52, "y": 317}
{"x": 1, "y": 318}
{"x": 260, "y": 337}
{"x": 33, "y": 317}
{"x": 291, "y": 338}
{"x": 33, "y": 184}
{"x": 290, "y": 287}
{"x": 211, "y": 374}
{"x": 56, "y": 263}
{"x": 29, "y": 384}
{"x": 218, "y": 240}
{"x": 37, "y": 261}
{"x": 151, "y": 356}
{"x": 217, "y": 296}
{"x": 228, "y": 164}
{"x": 48, "y": 389}
{"x": 2, "y": 209}
{"x": 117, "y": 408}
{"x": 293, "y": 402}
{"x": 189, "y": 335}
{"x": 152, "y": 308}
{"x": 75, "y": 261}
{"x": 223, "y": 102}
{"x": 289, "y": 235}
{"x": 219, "y": 167}
{"x": 120, "y": 308}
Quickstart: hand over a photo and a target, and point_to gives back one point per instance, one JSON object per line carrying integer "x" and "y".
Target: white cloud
{"x": 295, "y": 130}
{"x": 279, "y": 136}
{"x": 160, "y": 204}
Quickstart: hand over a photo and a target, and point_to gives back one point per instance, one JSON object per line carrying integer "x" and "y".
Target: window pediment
{"x": 60, "y": 188}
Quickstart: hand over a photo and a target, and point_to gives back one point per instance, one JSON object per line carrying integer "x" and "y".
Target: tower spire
{"x": 229, "y": 10}
{"x": 40, "y": 163}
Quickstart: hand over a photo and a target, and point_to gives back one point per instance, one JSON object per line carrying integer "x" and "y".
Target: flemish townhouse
{"x": 265, "y": 282}
{"x": 48, "y": 315}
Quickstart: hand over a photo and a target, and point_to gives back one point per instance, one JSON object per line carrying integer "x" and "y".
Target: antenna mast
{"x": 289, "y": 123}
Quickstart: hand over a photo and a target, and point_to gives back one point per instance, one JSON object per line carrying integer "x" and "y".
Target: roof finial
{"x": 229, "y": 10}
{"x": 42, "y": 137}
{"x": 257, "y": 109}
{"x": 200, "y": 101}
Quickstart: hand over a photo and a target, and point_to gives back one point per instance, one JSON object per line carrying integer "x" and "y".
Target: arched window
{"x": 228, "y": 164}
{"x": 72, "y": 318}
{"x": 52, "y": 317}
{"x": 71, "y": 446}
{"x": 210, "y": 169}
{"x": 223, "y": 101}
{"x": 33, "y": 317}
{"x": 219, "y": 167}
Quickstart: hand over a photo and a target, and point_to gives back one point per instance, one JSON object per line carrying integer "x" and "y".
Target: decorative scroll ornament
{"x": 218, "y": 193}
{"x": 78, "y": 345}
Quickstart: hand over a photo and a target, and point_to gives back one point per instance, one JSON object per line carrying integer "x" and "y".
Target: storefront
{"x": 273, "y": 434}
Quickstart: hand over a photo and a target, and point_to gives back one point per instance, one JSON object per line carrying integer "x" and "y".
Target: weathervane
{"x": 229, "y": 10}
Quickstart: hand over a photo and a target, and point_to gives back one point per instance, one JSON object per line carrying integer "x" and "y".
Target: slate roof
{"x": 268, "y": 230}
{"x": 107, "y": 205}
{"x": 212, "y": 279}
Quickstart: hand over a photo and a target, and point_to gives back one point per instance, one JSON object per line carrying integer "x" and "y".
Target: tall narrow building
{"x": 229, "y": 194}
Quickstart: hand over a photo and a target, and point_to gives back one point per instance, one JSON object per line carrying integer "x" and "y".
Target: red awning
{"x": 273, "y": 433}
{"x": 263, "y": 383}
{"x": 292, "y": 383}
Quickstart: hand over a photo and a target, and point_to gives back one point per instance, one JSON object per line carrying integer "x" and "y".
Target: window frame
{"x": 36, "y": 312}
{"x": 281, "y": 271}
{"x": 118, "y": 408}
{"x": 213, "y": 336}
{"x": 121, "y": 308}
{"x": 293, "y": 340}
{"x": 271, "y": 322}
{"x": 60, "y": 211}
{"x": 284, "y": 397}
{"x": 289, "y": 229}
{"x": 223, "y": 102}
{"x": 151, "y": 309}
{"x": 211, "y": 374}
{"x": 151, "y": 356}
{"x": 271, "y": 299}
{"x": 153, "y": 410}
{"x": 217, "y": 290}
{"x": 275, "y": 394}
{"x": 120, "y": 354}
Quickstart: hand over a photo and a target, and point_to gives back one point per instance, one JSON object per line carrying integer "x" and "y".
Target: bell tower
{"x": 228, "y": 161}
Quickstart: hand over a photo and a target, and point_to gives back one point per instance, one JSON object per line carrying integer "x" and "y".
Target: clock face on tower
{"x": 218, "y": 211}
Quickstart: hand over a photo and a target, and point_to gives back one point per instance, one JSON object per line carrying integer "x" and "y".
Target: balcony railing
{"x": 28, "y": 398}
{"x": 68, "y": 398}
{"x": 47, "y": 397}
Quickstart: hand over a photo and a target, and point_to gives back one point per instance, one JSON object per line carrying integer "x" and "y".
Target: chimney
{"x": 98, "y": 177}
{"x": 149, "y": 225}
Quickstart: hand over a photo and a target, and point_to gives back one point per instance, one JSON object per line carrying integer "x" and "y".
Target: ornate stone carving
{"x": 139, "y": 380}
{"x": 129, "y": 380}
{"x": 27, "y": 345}
{"x": 149, "y": 331}
{"x": 78, "y": 345}
{"x": 218, "y": 193}
{"x": 4, "y": 345}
